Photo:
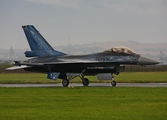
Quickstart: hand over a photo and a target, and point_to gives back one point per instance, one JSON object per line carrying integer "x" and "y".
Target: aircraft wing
{"x": 54, "y": 63}
{"x": 59, "y": 63}
{"x": 26, "y": 65}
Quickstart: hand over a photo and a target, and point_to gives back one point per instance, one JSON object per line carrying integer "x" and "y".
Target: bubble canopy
{"x": 121, "y": 49}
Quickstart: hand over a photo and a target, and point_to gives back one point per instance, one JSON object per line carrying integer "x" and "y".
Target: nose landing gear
{"x": 113, "y": 83}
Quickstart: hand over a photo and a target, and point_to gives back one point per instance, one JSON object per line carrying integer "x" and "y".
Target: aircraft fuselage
{"x": 103, "y": 62}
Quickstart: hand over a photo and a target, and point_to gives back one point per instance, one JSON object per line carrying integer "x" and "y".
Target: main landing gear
{"x": 85, "y": 81}
{"x": 65, "y": 82}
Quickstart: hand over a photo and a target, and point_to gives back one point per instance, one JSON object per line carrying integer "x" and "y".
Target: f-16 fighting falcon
{"x": 66, "y": 67}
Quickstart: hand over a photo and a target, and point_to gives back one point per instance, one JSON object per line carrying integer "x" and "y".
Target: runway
{"x": 90, "y": 85}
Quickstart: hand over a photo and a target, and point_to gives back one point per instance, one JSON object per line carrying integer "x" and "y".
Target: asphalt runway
{"x": 90, "y": 85}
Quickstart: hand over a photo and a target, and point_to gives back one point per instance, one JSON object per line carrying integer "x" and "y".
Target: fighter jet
{"x": 55, "y": 64}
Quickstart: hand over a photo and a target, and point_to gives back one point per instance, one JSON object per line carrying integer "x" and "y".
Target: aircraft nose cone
{"x": 147, "y": 61}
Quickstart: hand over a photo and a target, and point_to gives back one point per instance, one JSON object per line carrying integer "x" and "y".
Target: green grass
{"x": 24, "y": 78}
{"x": 5, "y": 65}
{"x": 133, "y": 77}
{"x": 83, "y": 103}
{"x": 142, "y": 77}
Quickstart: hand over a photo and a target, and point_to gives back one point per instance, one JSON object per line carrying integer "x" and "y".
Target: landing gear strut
{"x": 65, "y": 82}
{"x": 113, "y": 82}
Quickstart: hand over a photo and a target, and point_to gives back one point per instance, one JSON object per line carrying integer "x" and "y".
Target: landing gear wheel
{"x": 65, "y": 82}
{"x": 85, "y": 82}
{"x": 113, "y": 83}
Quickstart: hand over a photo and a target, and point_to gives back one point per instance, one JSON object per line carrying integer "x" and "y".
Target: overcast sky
{"x": 85, "y": 21}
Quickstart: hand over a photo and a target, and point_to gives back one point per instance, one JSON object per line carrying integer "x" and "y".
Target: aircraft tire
{"x": 85, "y": 82}
{"x": 113, "y": 83}
{"x": 65, "y": 83}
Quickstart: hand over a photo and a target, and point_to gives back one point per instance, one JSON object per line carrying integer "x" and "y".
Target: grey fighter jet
{"x": 66, "y": 67}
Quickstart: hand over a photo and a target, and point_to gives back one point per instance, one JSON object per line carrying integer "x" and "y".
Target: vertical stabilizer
{"x": 39, "y": 46}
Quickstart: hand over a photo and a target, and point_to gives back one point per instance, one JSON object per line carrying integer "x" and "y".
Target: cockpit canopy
{"x": 121, "y": 49}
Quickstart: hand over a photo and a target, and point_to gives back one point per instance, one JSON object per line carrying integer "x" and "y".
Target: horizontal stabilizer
{"x": 17, "y": 67}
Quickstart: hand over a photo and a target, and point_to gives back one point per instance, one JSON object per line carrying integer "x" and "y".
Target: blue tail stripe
{"x": 39, "y": 46}
{"x": 30, "y": 40}
{"x": 36, "y": 41}
{"x": 42, "y": 40}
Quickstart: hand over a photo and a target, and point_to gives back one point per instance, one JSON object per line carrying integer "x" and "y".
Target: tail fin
{"x": 39, "y": 46}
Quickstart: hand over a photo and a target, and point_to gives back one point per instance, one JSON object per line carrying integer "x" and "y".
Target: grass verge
{"x": 83, "y": 103}
{"x": 128, "y": 77}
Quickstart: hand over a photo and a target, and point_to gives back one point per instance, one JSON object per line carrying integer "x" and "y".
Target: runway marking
{"x": 91, "y": 85}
